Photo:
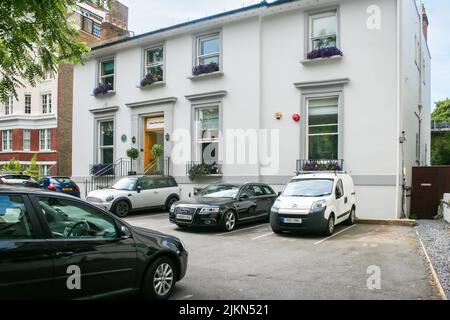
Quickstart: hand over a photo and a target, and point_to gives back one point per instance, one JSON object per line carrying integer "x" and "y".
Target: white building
{"x": 362, "y": 106}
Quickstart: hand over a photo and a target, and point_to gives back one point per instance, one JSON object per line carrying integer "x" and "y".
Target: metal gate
{"x": 428, "y": 187}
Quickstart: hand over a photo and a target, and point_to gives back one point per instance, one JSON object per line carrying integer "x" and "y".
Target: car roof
{"x": 318, "y": 175}
{"x": 7, "y": 189}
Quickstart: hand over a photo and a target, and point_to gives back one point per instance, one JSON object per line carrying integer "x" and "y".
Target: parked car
{"x": 315, "y": 202}
{"x": 56, "y": 246}
{"x": 136, "y": 193}
{"x": 60, "y": 184}
{"x": 224, "y": 205}
{"x": 18, "y": 180}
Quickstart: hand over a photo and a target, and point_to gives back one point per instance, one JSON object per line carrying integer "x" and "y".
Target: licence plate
{"x": 67, "y": 189}
{"x": 292, "y": 220}
{"x": 184, "y": 217}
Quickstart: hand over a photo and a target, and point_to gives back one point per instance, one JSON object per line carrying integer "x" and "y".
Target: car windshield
{"x": 219, "y": 191}
{"x": 309, "y": 188}
{"x": 125, "y": 184}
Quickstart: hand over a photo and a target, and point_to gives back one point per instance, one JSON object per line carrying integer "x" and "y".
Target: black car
{"x": 56, "y": 246}
{"x": 224, "y": 206}
{"x": 19, "y": 180}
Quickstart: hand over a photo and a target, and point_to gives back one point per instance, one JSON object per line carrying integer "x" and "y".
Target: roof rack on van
{"x": 316, "y": 172}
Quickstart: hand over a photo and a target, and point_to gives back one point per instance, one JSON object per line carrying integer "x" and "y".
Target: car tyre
{"x": 329, "y": 229}
{"x": 229, "y": 221}
{"x": 121, "y": 209}
{"x": 160, "y": 279}
{"x": 352, "y": 218}
{"x": 169, "y": 202}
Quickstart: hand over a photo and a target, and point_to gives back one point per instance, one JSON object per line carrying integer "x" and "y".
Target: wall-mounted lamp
{"x": 167, "y": 137}
{"x": 133, "y": 140}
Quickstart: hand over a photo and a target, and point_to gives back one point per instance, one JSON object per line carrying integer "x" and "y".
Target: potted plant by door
{"x": 158, "y": 152}
{"x": 133, "y": 154}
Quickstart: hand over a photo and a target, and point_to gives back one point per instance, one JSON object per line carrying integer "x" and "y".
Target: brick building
{"x": 40, "y": 121}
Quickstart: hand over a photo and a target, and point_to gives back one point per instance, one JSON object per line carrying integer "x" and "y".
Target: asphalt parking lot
{"x": 253, "y": 263}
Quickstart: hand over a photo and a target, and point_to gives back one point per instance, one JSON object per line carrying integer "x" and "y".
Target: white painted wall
{"x": 262, "y": 51}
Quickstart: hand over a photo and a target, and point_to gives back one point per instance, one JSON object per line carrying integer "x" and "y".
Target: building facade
{"x": 40, "y": 121}
{"x": 263, "y": 92}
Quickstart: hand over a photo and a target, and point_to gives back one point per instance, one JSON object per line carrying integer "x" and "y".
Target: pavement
{"x": 360, "y": 262}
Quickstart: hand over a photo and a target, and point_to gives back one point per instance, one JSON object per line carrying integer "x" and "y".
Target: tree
{"x": 442, "y": 111}
{"x": 12, "y": 166}
{"x": 33, "y": 169}
{"x": 35, "y": 37}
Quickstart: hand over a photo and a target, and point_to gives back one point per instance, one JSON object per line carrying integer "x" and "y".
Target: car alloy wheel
{"x": 230, "y": 220}
{"x": 331, "y": 225}
{"x": 163, "y": 279}
{"x": 122, "y": 209}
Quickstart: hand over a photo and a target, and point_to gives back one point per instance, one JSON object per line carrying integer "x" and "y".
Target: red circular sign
{"x": 296, "y": 117}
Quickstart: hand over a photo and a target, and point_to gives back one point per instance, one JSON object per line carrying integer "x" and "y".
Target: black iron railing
{"x": 159, "y": 167}
{"x": 319, "y": 165}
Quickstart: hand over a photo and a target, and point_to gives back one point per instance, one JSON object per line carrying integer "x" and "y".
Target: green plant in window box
{"x": 203, "y": 169}
{"x": 133, "y": 154}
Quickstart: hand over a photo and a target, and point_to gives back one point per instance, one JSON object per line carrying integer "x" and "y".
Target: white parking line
{"x": 264, "y": 235}
{"x": 334, "y": 235}
{"x": 186, "y": 297}
{"x": 238, "y": 230}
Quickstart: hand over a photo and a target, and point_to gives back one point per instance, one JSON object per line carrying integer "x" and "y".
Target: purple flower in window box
{"x": 103, "y": 88}
{"x": 324, "y": 53}
{"x": 150, "y": 79}
{"x": 205, "y": 68}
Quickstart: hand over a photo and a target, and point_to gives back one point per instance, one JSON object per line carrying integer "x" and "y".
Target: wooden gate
{"x": 428, "y": 186}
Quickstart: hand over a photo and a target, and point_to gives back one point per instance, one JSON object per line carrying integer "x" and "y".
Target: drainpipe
{"x": 399, "y": 100}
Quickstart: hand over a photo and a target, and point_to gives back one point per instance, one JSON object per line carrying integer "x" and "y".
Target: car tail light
{"x": 53, "y": 188}
{"x": 78, "y": 188}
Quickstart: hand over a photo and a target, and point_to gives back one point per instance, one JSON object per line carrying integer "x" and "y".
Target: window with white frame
{"x": 105, "y": 141}
{"x": 28, "y": 103}
{"x": 46, "y": 100}
{"x": 45, "y": 140}
{"x": 323, "y": 128}
{"x": 9, "y": 106}
{"x": 44, "y": 170}
{"x": 7, "y": 140}
{"x": 107, "y": 72}
{"x": 154, "y": 63}
{"x": 26, "y": 139}
{"x": 208, "y": 49}
{"x": 323, "y": 30}
{"x": 207, "y": 134}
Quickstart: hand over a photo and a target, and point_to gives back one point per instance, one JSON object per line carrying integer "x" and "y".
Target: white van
{"x": 315, "y": 202}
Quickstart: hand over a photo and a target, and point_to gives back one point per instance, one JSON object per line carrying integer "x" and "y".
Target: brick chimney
{"x": 116, "y": 22}
{"x": 425, "y": 22}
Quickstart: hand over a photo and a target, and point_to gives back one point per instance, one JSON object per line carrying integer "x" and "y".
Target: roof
{"x": 319, "y": 175}
{"x": 193, "y": 22}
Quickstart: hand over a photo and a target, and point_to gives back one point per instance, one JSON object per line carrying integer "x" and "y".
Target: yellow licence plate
{"x": 67, "y": 189}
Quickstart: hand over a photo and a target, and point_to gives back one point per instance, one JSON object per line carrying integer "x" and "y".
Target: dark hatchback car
{"x": 224, "y": 206}
{"x": 18, "y": 180}
{"x": 54, "y": 246}
{"x": 60, "y": 184}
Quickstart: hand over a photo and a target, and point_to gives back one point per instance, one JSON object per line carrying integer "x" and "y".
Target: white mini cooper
{"x": 315, "y": 202}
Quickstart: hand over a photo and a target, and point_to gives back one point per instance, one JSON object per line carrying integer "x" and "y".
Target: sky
{"x": 147, "y": 15}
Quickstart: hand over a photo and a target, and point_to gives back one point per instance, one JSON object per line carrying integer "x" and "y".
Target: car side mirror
{"x": 243, "y": 197}
{"x": 138, "y": 189}
{"x": 124, "y": 233}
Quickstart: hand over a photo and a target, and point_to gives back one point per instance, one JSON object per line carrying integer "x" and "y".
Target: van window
{"x": 309, "y": 188}
{"x": 339, "y": 189}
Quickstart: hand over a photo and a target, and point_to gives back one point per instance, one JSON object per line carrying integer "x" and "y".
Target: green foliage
{"x": 202, "y": 169}
{"x": 33, "y": 169}
{"x": 158, "y": 150}
{"x": 133, "y": 153}
{"x": 12, "y": 166}
{"x": 36, "y": 36}
{"x": 442, "y": 111}
{"x": 440, "y": 148}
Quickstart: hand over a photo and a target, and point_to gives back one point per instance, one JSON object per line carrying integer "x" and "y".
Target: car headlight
{"x": 172, "y": 208}
{"x": 206, "y": 210}
{"x": 319, "y": 205}
{"x": 276, "y": 205}
{"x": 109, "y": 198}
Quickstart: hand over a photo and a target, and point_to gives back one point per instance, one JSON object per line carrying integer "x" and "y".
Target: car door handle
{"x": 345, "y": 200}
{"x": 65, "y": 254}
